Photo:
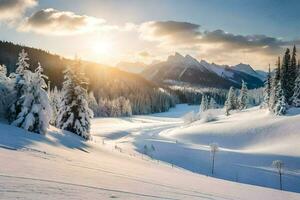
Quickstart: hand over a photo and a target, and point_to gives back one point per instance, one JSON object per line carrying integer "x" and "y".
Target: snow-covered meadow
{"x": 61, "y": 165}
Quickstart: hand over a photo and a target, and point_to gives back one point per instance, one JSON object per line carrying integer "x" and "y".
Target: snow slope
{"x": 249, "y": 141}
{"x": 61, "y": 165}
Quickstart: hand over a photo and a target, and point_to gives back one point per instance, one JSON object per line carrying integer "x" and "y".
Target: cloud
{"x": 170, "y": 32}
{"x": 13, "y": 9}
{"x": 248, "y": 43}
{"x": 53, "y": 22}
{"x": 216, "y": 45}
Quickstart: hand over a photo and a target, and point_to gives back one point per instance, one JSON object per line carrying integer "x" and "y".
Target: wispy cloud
{"x": 170, "y": 32}
{"x": 54, "y": 22}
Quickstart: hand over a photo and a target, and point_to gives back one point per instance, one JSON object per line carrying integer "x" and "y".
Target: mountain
{"x": 249, "y": 70}
{"x": 132, "y": 67}
{"x": 178, "y": 68}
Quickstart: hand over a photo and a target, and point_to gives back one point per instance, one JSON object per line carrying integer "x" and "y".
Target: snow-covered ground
{"x": 61, "y": 165}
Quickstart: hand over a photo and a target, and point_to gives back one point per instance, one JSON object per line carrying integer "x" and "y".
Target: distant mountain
{"x": 249, "y": 70}
{"x": 187, "y": 69}
{"x": 132, "y": 67}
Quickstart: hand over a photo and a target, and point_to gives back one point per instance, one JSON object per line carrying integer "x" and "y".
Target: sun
{"x": 102, "y": 47}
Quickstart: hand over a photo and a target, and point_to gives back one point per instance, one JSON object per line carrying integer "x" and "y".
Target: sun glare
{"x": 103, "y": 47}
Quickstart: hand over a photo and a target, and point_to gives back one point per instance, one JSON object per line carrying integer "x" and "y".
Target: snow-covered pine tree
{"x": 267, "y": 90}
{"x": 212, "y": 103}
{"x": 204, "y": 104}
{"x": 292, "y": 75}
{"x": 285, "y": 73}
{"x": 74, "y": 114}
{"x": 281, "y": 105}
{"x": 54, "y": 97}
{"x": 125, "y": 107}
{"x": 93, "y": 105}
{"x": 296, "y": 96}
{"x": 243, "y": 97}
{"x": 5, "y": 91}
{"x": 231, "y": 102}
{"x": 20, "y": 85}
{"x": 35, "y": 108}
{"x": 275, "y": 80}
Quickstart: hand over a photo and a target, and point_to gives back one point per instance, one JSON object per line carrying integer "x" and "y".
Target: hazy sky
{"x": 109, "y": 31}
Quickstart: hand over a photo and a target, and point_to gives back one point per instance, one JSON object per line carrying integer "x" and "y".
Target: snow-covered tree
{"x": 22, "y": 63}
{"x": 212, "y": 103}
{"x": 54, "y": 97}
{"x": 267, "y": 90}
{"x": 275, "y": 80}
{"x": 35, "y": 107}
{"x": 74, "y": 114}
{"x": 296, "y": 96}
{"x": 5, "y": 91}
{"x": 281, "y": 105}
{"x": 214, "y": 148}
{"x": 204, "y": 104}
{"x": 125, "y": 107}
{"x": 20, "y": 85}
{"x": 243, "y": 97}
{"x": 278, "y": 165}
{"x": 231, "y": 102}
{"x": 93, "y": 105}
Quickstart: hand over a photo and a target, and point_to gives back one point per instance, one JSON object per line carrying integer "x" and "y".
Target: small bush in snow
{"x": 190, "y": 117}
{"x": 210, "y": 115}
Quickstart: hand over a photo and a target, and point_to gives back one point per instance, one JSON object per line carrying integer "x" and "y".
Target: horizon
{"x": 249, "y": 32}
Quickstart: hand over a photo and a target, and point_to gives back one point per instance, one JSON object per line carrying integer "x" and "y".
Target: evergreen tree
{"x": 292, "y": 75}
{"x": 281, "y": 105}
{"x": 231, "y": 102}
{"x": 35, "y": 108}
{"x": 74, "y": 114}
{"x": 204, "y": 104}
{"x": 20, "y": 85}
{"x": 212, "y": 103}
{"x": 243, "y": 97}
{"x": 285, "y": 75}
{"x": 267, "y": 90}
{"x": 54, "y": 97}
{"x": 93, "y": 105}
{"x": 276, "y": 79}
{"x": 296, "y": 96}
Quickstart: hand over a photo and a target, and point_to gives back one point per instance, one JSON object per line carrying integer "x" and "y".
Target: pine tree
{"x": 204, "y": 104}
{"x": 275, "y": 80}
{"x": 231, "y": 102}
{"x": 35, "y": 108}
{"x": 20, "y": 85}
{"x": 285, "y": 75}
{"x": 281, "y": 105}
{"x": 54, "y": 97}
{"x": 267, "y": 90}
{"x": 74, "y": 114}
{"x": 93, "y": 105}
{"x": 292, "y": 75}
{"x": 296, "y": 96}
{"x": 243, "y": 97}
{"x": 212, "y": 103}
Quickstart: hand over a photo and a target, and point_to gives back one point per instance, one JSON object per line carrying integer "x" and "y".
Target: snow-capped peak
{"x": 190, "y": 60}
{"x": 175, "y": 58}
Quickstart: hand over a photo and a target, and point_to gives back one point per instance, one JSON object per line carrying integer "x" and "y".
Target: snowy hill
{"x": 188, "y": 69}
{"x": 61, "y": 165}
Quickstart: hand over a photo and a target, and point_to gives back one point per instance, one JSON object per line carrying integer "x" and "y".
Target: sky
{"x": 110, "y": 31}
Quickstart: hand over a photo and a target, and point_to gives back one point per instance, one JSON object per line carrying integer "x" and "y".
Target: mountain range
{"x": 186, "y": 69}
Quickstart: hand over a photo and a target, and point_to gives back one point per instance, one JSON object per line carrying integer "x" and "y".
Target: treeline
{"x": 108, "y": 84}
{"x": 25, "y": 102}
{"x": 282, "y": 88}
